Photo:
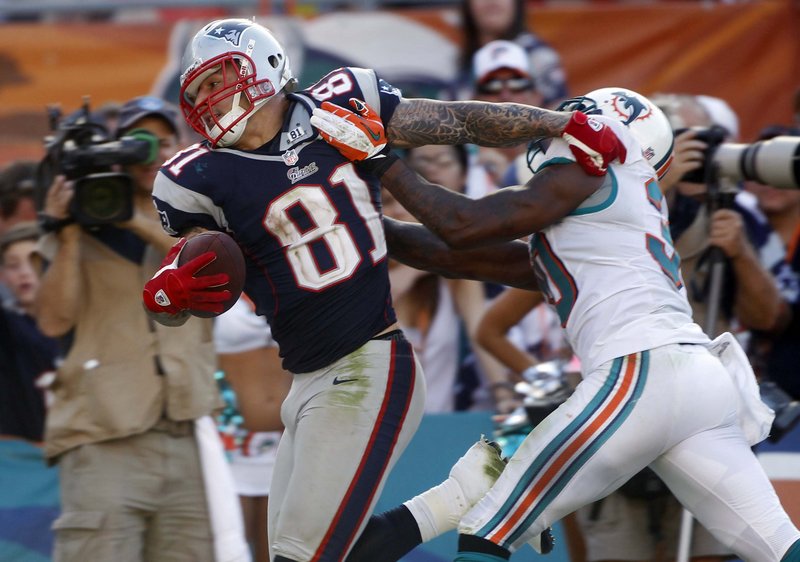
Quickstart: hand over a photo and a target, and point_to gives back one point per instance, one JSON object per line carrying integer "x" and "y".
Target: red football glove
{"x": 175, "y": 289}
{"x": 593, "y": 144}
{"x": 357, "y": 135}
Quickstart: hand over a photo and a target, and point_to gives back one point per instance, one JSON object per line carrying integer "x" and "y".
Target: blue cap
{"x": 145, "y": 106}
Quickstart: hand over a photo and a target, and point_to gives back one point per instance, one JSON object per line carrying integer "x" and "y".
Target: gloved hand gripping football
{"x": 175, "y": 289}
{"x": 593, "y": 143}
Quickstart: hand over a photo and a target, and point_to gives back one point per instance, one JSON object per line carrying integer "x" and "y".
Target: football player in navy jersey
{"x": 310, "y": 226}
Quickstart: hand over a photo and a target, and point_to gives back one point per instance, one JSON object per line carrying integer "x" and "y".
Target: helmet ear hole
{"x": 274, "y": 60}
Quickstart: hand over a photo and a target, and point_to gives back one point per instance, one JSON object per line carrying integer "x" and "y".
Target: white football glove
{"x": 358, "y": 135}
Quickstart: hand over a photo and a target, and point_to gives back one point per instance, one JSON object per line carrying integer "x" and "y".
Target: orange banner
{"x": 744, "y": 53}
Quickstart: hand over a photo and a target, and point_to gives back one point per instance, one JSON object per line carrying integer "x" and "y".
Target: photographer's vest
{"x": 124, "y": 372}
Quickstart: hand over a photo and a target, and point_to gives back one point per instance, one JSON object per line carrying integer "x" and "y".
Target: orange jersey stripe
{"x": 577, "y": 444}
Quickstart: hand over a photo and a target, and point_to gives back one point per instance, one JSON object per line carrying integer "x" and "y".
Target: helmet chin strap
{"x": 235, "y": 133}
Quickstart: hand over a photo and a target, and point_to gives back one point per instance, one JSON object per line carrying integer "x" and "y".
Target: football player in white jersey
{"x": 656, "y": 391}
{"x": 310, "y": 227}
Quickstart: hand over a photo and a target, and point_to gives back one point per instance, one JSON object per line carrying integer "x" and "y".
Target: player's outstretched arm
{"x": 414, "y": 245}
{"x": 462, "y": 222}
{"x": 419, "y": 121}
{"x": 507, "y": 214}
{"x": 359, "y": 133}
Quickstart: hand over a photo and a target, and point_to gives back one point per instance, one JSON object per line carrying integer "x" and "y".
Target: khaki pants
{"x": 139, "y": 498}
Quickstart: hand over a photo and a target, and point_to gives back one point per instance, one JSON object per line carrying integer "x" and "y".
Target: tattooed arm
{"x": 416, "y": 246}
{"x": 507, "y": 214}
{"x": 418, "y": 122}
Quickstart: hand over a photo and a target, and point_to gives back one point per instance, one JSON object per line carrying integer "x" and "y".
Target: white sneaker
{"x": 440, "y": 508}
{"x": 477, "y": 471}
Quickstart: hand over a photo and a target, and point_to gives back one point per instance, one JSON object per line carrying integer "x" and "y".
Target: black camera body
{"x": 83, "y": 150}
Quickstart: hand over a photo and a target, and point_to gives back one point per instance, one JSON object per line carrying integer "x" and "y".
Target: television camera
{"x": 82, "y": 149}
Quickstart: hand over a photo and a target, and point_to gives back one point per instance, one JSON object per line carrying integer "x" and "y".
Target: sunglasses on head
{"x": 514, "y": 85}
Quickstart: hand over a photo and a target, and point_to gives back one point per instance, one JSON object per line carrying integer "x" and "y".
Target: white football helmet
{"x": 645, "y": 120}
{"x": 261, "y": 69}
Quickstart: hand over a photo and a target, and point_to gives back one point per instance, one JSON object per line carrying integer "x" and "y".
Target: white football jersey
{"x": 610, "y": 269}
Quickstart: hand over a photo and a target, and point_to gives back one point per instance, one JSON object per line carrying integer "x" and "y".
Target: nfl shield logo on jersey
{"x": 290, "y": 157}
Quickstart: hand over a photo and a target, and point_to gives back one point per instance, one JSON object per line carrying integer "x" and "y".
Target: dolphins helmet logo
{"x": 630, "y": 108}
{"x": 228, "y": 31}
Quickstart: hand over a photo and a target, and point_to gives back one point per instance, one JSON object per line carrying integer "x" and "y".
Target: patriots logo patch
{"x": 629, "y": 107}
{"x": 162, "y": 216}
{"x": 230, "y": 32}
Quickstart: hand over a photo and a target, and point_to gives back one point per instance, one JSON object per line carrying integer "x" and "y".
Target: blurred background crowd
{"x": 726, "y": 67}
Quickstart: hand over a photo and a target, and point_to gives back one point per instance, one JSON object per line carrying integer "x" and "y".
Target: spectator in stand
{"x": 503, "y": 73}
{"x": 17, "y": 204}
{"x": 521, "y": 331}
{"x": 27, "y": 357}
{"x": 440, "y": 316}
{"x": 484, "y": 21}
{"x": 254, "y": 386}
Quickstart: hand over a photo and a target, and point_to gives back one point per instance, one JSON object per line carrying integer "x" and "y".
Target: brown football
{"x": 229, "y": 260}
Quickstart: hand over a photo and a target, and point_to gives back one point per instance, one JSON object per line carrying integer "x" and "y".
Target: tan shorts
{"x": 133, "y": 499}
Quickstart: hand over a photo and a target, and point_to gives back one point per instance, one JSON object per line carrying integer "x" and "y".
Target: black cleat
{"x": 547, "y": 541}
{"x": 544, "y": 543}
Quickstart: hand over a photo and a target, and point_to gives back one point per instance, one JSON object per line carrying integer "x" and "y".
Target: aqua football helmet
{"x": 645, "y": 120}
{"x": 260, "y": 67}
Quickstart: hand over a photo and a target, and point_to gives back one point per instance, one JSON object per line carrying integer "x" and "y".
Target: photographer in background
{"x": 699, "y": 222}
{"x": 775, "y": 351}
{"x": 129, "y": 394}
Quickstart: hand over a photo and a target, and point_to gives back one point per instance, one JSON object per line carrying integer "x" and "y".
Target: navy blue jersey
{"x": 308, "y": 222}
{"x": 25, "y": 355}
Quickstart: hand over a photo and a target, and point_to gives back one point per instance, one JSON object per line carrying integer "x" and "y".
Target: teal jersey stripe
{"x": 587, "y": 453}
{"x": 553, "y": 447}
{"x": 793, "y": 554}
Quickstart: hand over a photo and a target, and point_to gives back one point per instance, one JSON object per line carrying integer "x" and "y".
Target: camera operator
{"x": 127, "y": 397}
{"x": 755, "y": 271}
{"x": 700, "y": 221}
{"x": 776, "y": 350}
